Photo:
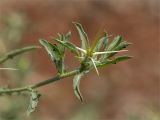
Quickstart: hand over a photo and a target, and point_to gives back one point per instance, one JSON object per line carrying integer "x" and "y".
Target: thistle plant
{"x": 91, "y": 57}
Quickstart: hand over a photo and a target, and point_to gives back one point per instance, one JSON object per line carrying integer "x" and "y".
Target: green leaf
{"x": 54, "y": 53}
{"x": 121, "y": 58}
{"x": 68, "y": 45}
{"x": 83, "y": 35}
{"x": 116, "y": 41}
{"x": 114, "y": 61}
{"x": 64, "y": 38}
{"x": 121, "y": 46}
{"x": 60, "y": 47}
{"x": 105, "y": 42}
{"x": 34, "y": 99}
{"x": 76, "y": 83}
{"x": 102, "y": 44}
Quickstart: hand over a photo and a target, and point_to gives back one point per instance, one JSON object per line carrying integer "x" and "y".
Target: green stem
{"x": 16, "y": 52}
{"x": 40, "y": 84}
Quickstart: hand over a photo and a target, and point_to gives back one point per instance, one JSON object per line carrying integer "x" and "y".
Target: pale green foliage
{"x": 68, "y": 45}
{"x": 98, "y": 55}
{"x": 34, "y": 99}
{"x": 54, "y": 53}
{"x": 76, "y": 83}
{"x": 83, "y": 35}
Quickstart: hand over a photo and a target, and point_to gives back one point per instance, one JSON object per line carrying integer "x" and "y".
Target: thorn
{"x": 82, "y": 50}
{"x": 8, "y": 69}
{"x": 95, "y": 66}
{"x": 108, "y": 52}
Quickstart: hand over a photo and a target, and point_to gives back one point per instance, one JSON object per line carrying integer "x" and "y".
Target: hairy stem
{"x": 40, "y": 84}
{"x": 12, "y": 54}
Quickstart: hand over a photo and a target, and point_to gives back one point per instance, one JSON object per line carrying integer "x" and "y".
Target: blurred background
{"x": 126, "y": 91}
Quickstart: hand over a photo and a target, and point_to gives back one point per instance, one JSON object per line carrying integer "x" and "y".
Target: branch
{"x": 40, "y": 84}
{"x": 12, "y": 54}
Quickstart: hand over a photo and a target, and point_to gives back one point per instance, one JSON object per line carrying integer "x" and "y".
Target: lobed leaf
{"x": 76, "y": 83}
{"x": 83, "y": 35}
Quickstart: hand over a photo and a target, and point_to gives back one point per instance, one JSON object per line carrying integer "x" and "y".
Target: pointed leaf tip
{"x": 83, "y": 35}
{"x": 76, "y": 83}
{"x": 116, "y": 41}
{"x": 54, "y": 53}
{"x": 68, "y": 45}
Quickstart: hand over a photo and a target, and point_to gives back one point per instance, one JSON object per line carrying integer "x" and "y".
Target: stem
{"x": 40, "y": 84}
{"x": 16, "y": 52}
{"x": 58, "y": 77}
